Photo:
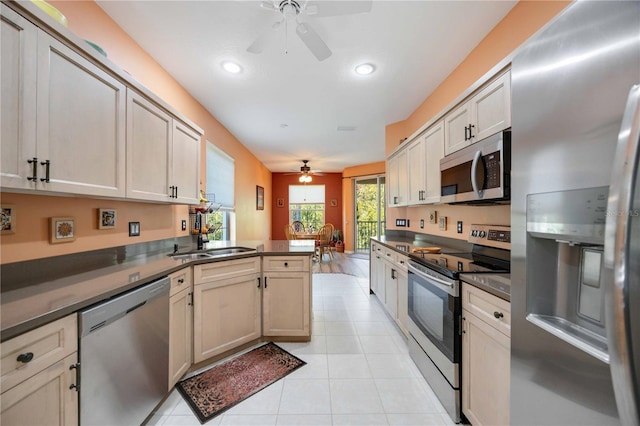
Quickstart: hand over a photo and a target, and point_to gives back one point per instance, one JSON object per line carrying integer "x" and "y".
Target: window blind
{"x": 220, "y": 176}
{"x": 301, "y": 194}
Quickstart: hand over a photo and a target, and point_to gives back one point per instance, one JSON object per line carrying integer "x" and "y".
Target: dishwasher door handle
{"x": 136, "y": 307}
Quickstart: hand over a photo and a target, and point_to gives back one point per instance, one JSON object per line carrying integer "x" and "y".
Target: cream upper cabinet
{"x": 19, "y": 40}
{"x": 185, "y": 164}
{"x": 149, "y": 137}
{"x": 486, "y": 358}
{"x": 485, "y": 113}
{"x": 398, "y": 179}
{"x": 286, "y": 297}
{"x": 434, "y": 152}
{"x": 71, "y": 139}
{"x": 416, "y": 171}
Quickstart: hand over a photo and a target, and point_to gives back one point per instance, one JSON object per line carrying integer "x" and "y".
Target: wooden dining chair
{"x": 297, "y": 226}
{"x": 323, "y": 243}
{"x": 289, "y": 232}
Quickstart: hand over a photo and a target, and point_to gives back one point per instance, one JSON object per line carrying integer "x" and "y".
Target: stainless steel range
{"x": 435, "y": 308}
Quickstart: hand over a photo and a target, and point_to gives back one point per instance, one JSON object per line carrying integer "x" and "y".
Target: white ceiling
{"x": 413, "y": 44}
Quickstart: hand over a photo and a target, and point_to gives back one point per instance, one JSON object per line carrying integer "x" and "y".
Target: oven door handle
{"x": 443, "y": 285}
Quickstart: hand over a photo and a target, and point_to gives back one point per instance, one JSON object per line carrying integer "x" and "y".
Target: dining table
{"x": 307, "y": 235}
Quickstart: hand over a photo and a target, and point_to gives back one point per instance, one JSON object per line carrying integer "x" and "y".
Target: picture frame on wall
{"x": 280, "y": 202}
{"x": 334, "y": 203}
{"x": 259, "y": 198}
{"x": 107, "y": 218}
{"x": 63, "y": 229}
{"x": 7, "y": 219}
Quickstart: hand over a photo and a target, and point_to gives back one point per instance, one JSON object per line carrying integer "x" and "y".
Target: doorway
{"x": 370, "y": 210}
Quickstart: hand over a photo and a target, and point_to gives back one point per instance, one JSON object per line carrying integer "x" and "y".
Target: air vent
{"x": 346, "y": 128}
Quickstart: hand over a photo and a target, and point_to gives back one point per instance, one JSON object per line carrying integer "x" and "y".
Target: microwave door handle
{"x": 617, "y": 255}
{"x": 474, "y": 169}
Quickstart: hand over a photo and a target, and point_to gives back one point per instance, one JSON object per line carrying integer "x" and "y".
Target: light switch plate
{"x": 432, "y": 216}
{"x": 442, "y": 223}
{"x": 421, "y": 223}
{"x": 184, "y": 225}
{"x": 134, "y": 229}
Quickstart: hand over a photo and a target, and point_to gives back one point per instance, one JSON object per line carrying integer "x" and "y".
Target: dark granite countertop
{"x": 31, "y": 298}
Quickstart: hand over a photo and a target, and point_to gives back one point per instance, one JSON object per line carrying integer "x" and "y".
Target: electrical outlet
{"x": 442, "y": 223}
{"x": 401, "y": 222}
{"x": 134, "y": 229}
{"x": 184, "y": 225}
{"x": 421, "y": 223}
{"x": 459, "y": 229}
{"x": 408, "y": 223}
{"x": 432, "y": 216}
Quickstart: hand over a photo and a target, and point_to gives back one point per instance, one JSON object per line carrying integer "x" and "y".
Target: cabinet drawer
{"x": 180, "y": 280}
{"x": 44, "y": 346}
{"x": 215, "y": 271}
{"x": 286, "y": 263}
{"x": 401, "y": 261}
{"x": 489, "y": 308}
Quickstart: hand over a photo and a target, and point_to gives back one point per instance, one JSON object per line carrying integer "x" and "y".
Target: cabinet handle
{"x": 471, "y": 136}
{"x": 286, "y": 264}
{"x": 25, "y": 357}
{"x": 258, "y": 282}
{"x": 191, "y": 296}
{"x": 77, "y": 388}
{"x": 171, "y": 188}
{"x": 176, "y": 192}
{"x": 74, "y": 366}
{"x": 395, "y": 200}
{"x": 181, "y": 280}
{"x": 265, "y": 282}
{"x": 466, "y": 129}
{"x": 498, "y": 315}
{"x": 393, "y": 274}
{"x": 34, "y": 174}
{"x": 46, "y": 165}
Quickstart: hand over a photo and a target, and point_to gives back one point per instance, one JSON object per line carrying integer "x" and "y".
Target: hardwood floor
{"x": 351, "y": 264}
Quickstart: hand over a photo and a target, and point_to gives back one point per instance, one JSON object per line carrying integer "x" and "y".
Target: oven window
{"x": 436, "y": 313}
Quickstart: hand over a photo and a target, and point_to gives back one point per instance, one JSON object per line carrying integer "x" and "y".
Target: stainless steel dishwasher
{"x": 124, "y": 356}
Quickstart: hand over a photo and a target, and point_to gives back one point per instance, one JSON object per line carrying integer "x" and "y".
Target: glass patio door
{"x": 370, "y": 210}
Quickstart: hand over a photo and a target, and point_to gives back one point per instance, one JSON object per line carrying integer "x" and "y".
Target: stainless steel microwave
{"x": 479, "y": 173}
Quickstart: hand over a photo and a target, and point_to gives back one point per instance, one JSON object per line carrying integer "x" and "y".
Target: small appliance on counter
{"x": 435, "y": 307}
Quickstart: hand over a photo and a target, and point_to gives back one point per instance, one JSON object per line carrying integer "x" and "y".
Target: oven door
{"x": 435, "y": 309}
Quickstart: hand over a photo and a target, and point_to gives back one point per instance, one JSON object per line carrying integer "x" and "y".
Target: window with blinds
{"x": 220, "y": 184}
{"x": 306, "y": 204}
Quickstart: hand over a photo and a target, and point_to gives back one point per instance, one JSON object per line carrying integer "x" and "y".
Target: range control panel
{"x": 498, "y": 236}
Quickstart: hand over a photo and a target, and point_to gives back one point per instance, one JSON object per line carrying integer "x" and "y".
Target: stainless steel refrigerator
{"x": 575, "y": 208}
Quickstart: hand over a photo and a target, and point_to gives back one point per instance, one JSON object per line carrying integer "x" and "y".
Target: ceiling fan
{"x": 291, "y": 10}
{"x": 306, "y": 172}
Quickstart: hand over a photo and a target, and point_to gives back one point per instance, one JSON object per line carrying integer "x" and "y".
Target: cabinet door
{"x": 398, "y": 179}
{"x": 403, "y": 300}
{"x": 377, "y": 277}
{"x": 491, "y": 108}
{"x": 44, "y": 399}
{"x": 434, "y": 152}
{"x": 18, "y": 100}
{"x": 391, "y": 289}
{"x": 456, "y": 135}
{"x": 80, "y": 125}
{"x": 416, "y": 172}
{"x": 180, "y": 335}
{"x": 185, "y": 164}
{"x": 286, "y": 304}
{"x": 149, "y": 134}
{"x": 485, "y": 372}
{"x": 226, "y": 315}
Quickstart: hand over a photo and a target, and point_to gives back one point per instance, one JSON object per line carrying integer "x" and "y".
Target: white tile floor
{"x": 358, "y": 371}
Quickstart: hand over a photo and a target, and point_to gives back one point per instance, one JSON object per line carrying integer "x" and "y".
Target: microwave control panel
{"x": 492, "y": 164}
{"x": 498, "y": 236}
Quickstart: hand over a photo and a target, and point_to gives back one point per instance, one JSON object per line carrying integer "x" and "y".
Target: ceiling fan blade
{"x": 313, "y": 41}
{"x": 268, "y": 5}
{"x": 258, "y": 44}
{"x": 336, "y": 8}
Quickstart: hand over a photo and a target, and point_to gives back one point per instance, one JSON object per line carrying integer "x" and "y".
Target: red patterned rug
{"x": 227, "y": 384}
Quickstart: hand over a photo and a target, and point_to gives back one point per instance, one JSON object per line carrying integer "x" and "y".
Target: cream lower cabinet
{"x": 403, "y": 300}
{"x": 180, "y": 325}
{"x": 486, "y": 344}
{"x": 286, "y": 296}
{"x": 227, "y": 306}
{"x": 39, "y": 376}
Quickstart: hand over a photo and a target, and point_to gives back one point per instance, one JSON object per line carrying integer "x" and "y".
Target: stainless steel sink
{"x": 211, "y": 253}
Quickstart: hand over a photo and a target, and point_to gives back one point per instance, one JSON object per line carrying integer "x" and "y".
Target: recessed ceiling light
{"x": 365, "y": 69}
{"x": 231, "y": 67}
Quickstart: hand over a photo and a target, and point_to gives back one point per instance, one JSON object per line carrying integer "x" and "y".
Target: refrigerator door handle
{"x": 616, "y": 252}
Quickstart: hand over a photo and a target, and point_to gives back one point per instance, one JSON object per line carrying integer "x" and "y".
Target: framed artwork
{"x": 259, "y": 198}
{"x": 334, "y": 203}
{"x": 106, "y": 218}
{"x": 63, "y": 229}
{"x": 8, "y": 219}
{"x": 280, "y": 202}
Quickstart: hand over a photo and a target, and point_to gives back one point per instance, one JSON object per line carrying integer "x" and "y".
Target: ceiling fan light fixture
{"x": 305, "y": 178}
{"x": 231, "y": 67}
{"x": 365, "y": 69}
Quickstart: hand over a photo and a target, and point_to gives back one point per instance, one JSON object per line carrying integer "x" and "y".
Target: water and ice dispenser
{"x": 565, "y": 242}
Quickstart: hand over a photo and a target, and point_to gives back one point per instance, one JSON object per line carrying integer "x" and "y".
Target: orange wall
{"x": 30, "y": 241}
{"x": 517, "y": 26}
{"x": 280, "y": 185}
